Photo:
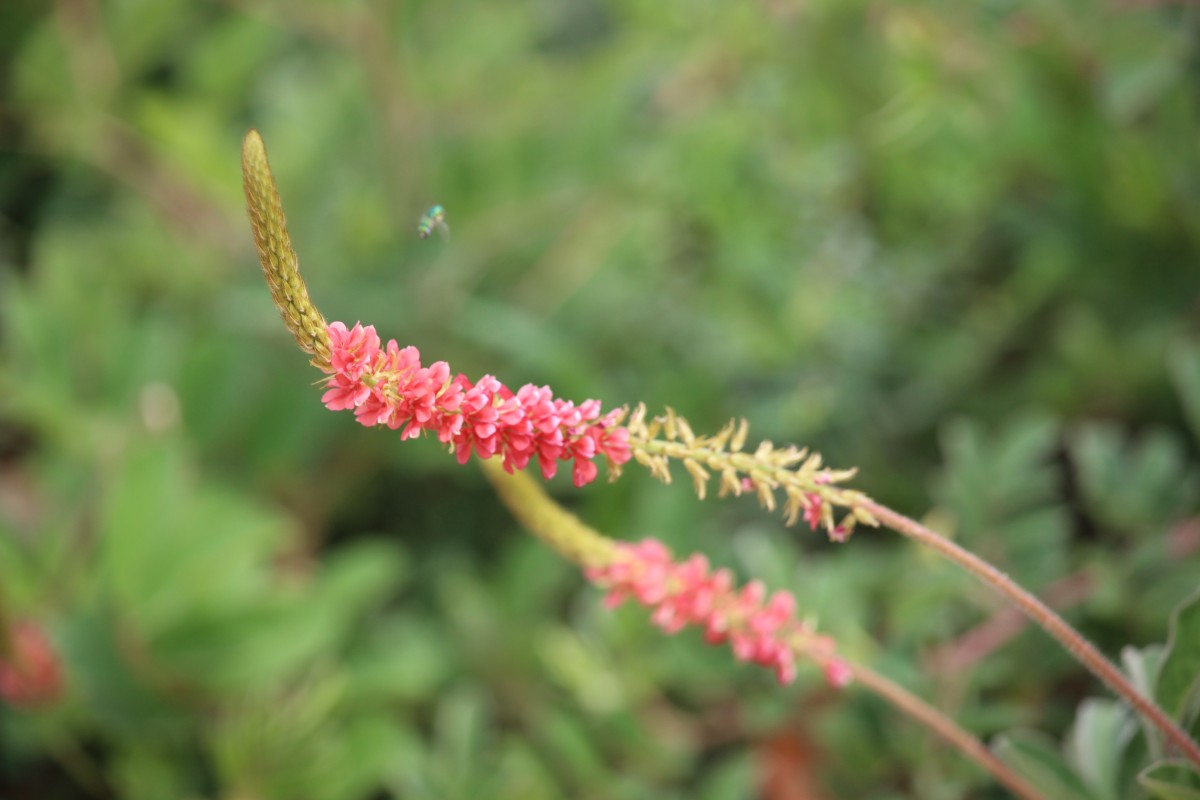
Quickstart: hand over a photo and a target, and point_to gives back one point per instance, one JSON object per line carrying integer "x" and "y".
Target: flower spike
{"x": 389, "y": 386}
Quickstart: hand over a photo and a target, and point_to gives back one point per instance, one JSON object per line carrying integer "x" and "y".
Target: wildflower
{"x": 840, "y": 532}
{"x": 838, "y": 673}
{"x": 759, "y": 630}
{"x": 30, "y": 672}
{"x": 389, "y": 386}
{"x": 813, "y": 510}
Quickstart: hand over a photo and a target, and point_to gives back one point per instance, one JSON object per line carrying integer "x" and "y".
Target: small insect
{"x": 435, "y": 217}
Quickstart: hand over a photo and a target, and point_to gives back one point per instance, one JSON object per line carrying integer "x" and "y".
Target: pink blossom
{"x": 389, "y": 386}
{"x": 840, "y": 533}
{"x": 31, "y": 674}
{"x": 759, "y": 629}
{"x": 838, "y": 673}
{"x": 813, "y": 509}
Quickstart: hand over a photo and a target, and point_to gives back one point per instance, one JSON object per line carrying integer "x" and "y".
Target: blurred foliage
{"x": 954, "y": 244}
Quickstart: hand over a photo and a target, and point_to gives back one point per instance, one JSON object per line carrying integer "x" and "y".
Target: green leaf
{"x": 254, "y": 648}
{"x": 1097, "y": 742}
{"x": 399, "y": 658}
{"x": 111, "y": 683}
{"x": 1132, "y": 484}
{"x": 1143, "y": 667}
{"x": 460, "y": 731}
{"x": 1037, "y": 758}
{"x": 360, "y": 576}
{"x": 147, "y": 772}
{"x": 522, "y": 775}
{"x": 1184, "y": 362}
{"x": 729, "y": 777}
{"x": 1171, "y": 780}
{"x": 173, "y": 547}
{"x": 1002, "y": 486}
{"x": 1179, "y": 678}
{"x": 566, "y": 742}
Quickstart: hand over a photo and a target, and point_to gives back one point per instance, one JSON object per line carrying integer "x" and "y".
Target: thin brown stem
{"x": 577, "y": 542}
{"x": 944, "y": 727}
{"x": 1041, "y": 614}
{"x": 959, "y": 656}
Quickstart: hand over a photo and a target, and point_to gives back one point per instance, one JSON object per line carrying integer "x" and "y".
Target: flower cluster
{"x": 810, "y": 490}
{"x": 389, "y": 386}
{"x": 30, "y": 674}
{"x": 759, "y": 630}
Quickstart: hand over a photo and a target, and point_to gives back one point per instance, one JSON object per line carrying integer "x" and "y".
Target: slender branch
{"x": 569, "y": 536}
{"x": 1083, "y": 650}
{"x": 958, "y": 656}
{"x": 939, "y": 724}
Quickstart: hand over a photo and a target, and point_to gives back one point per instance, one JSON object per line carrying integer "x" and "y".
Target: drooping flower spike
{"x": 759, "y": 629}
{"x": 388, "y": 385}
{"x": 810, "y": 490}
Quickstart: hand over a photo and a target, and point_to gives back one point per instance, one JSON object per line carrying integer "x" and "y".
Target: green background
{"x": 953, "y": 244}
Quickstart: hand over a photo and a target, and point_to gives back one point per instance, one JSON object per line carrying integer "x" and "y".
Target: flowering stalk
{"x": 390, "y": 386}
{"x": 812, "y": 491}
{"x": 682, "y": 593}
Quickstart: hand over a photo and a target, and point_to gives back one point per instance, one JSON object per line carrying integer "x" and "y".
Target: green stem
{"x": 1041, "y": 614}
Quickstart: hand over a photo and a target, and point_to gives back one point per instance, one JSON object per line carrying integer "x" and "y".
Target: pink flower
{"x": 813, "y": 509}
{"x": 759, "y": 630}
{"x": 389, "y": 386}
{"x": 31, "y": 674}
{"x": 838, "y": 673}
{"x": 840, "y": 533}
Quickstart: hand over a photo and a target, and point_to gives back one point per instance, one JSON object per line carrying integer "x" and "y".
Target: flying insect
{"x": 435, "y": 217}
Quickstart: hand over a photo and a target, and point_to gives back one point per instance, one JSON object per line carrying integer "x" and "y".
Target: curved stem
{"x": 1083, "y": 650}
{"x": 582, "y": 545}
{"x": 939, "y": 724}
{"x": 577, "y": 542}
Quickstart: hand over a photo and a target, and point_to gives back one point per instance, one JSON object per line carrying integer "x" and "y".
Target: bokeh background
{"x": 954, "y": 244}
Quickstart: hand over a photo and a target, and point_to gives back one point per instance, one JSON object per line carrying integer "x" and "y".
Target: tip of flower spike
{"x": 812, "y": 491}
{"x": 838, "y": 673}
{"x": 759, "y": 629}
{"x": 275, "y": 254}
